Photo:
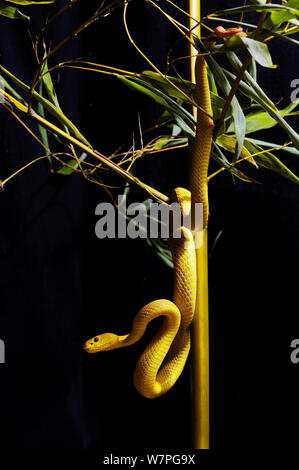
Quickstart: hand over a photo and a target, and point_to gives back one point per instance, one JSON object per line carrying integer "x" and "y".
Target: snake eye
{"x": 96, "y": 339}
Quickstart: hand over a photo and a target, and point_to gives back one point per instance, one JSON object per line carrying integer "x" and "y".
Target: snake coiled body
{"x": 164, "y": 358}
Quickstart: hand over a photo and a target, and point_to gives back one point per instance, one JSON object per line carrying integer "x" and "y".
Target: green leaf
{"x": 249, "y": 91}
{"x": 220, "y": 158}
{"x": 287, "y": 149}
{"x": 6, "y": 86}
{"x": 42, "y": 130}
{"x": 252, "y": 69}
{"x": 228, "y": 143}
{"x": 247, "y": 8}
{"x": 269, "y": 161}
{"x": 231, "y": 44}
{"x": 66, "y": 170}
{"x": 237, "y": 64}
{"x": 163, "y": 84}
{"x": 187, "y": 87}
{"x": 162, "y": 250}
{"x": 278, "y": 17}
{"x": 236, "y": 110}
{"x": 259, "y": 51}
{"x": 52, "y": 109}
{"x": 260, "y": 120}
{"x": 11, "y": 12}
{"x": 288, "y": 109}
{"x": 212, "y": 85}
{"x": 50, "y": 89}
{"x": 47, "y": 80}
{"x": 168, "y": 141}
{"x": 183, "y": 118}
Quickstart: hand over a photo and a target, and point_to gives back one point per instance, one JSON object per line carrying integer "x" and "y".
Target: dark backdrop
{"x": 59, "y": 284}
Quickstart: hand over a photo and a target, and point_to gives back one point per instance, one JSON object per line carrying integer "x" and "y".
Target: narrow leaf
{"x": 11, "y": 12}
{"x": 237, "y": 64}
{"x": 29, "y": 2}
{"x": 220, "y": 158}
{"x": 287, "y": 148}
{"x": 248, "y": 91}
{"x": 187, "y": 87}
{"x": 6, "y": 86}
{"x": 49, "y": 107}
{"x": 229, "y": 143}
{"x": 236, "y": 110}
{"x": 42, "y": 130}
{"x": 271, "y": 162}
{"x": 278, "y": 17}
{"x": 259, "y": 51}
{"x": 247, "y": 8}
{"x": 183, "y": 118}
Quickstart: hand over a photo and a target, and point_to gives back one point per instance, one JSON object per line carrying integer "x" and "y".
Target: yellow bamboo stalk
{"x": 200, "y": 350}
{"x": 200, "y": 323}
{"x": 194, "y": 11}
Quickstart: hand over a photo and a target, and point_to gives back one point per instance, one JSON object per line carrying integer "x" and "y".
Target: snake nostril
{"x": 96, "y": 340}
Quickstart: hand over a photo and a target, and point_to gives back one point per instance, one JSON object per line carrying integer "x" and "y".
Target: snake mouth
{"x": 90, "y": 349}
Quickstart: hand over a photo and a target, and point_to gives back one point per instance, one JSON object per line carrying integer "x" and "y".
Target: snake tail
{"x": 203, "y": 140}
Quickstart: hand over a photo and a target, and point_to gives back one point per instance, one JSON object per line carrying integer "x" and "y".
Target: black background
{"x": 60, "y": 285}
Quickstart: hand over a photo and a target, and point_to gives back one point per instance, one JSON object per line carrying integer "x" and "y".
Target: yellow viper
{"x": 164, "y": 358}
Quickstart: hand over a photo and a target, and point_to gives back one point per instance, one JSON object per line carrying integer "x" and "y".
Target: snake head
{"x": 104, "y": 342}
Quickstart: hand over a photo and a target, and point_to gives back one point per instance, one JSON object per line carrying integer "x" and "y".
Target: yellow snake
{"x": 203, "y": 140}
{"x": 163, "y": 359}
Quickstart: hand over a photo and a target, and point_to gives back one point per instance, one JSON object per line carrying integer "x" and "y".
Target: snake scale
{"x": 163, "y": 359}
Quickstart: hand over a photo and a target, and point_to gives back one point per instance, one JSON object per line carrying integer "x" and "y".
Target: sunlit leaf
{"x": 12, "y": 12}
{"x": 220, "y": 158}
{"x": 6, "y": 86}
{"x": 168, "y": 141}
{"x": 229, "y": 143}
{"x": 50, "y": 107}
{"x": 260, "y": 120}
{"x": 278, "y": 17}
{"x": 271, "y": 162}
